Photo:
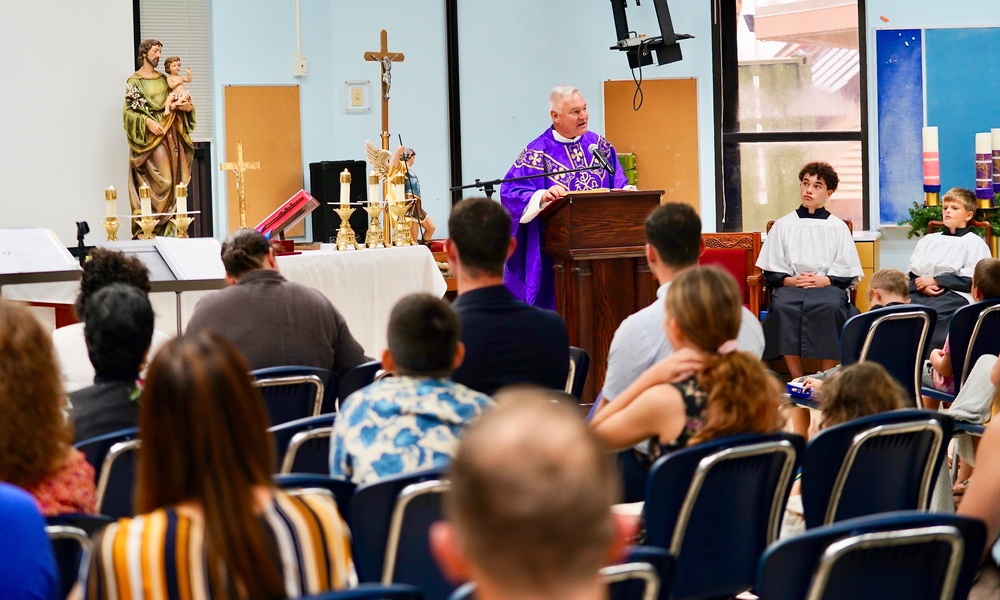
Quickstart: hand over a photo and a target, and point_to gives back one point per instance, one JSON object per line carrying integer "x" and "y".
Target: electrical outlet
{"x": 300, "y": 67}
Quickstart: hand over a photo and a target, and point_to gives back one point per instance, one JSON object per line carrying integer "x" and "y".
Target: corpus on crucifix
{"x": 385, "y": 60}
{"x": 240, "y": 168}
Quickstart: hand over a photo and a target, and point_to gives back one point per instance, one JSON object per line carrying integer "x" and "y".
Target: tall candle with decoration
{"x": 110, "y": 202}
{"x": 932, "y": 167}
{"x": 181, "y": 193}
{"x": 995, "y": 138}
{"x": 372, "y": 189}
{"x": 145, "y": 204}
{"x": 984, "y": 169}
{"x": 345, "y": 189}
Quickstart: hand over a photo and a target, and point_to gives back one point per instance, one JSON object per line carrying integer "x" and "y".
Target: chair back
{"x": 876, "y": 464}
{"x": 579, "y": 365}
{"x": 372, "y": 591}
{"x": 358, "y": 377}
{"x": 90, "y": 524}
{"x": 331, "y": 383}
{"x": 736, "y": 252}
{"x": 973, "y": 332}
{"x": 303, "y": 445}
{"x": 895, "y": 555}
{"x": 290, "y": 397}
{"x": 716, "y": 506}
{"x": 625, "y": 582}
{"x": 390, "y": 519}
{"x": 71, "y": 546}
{"x": 341, "y": 490}
{"x": 96, "y": 449}
{"x": 933, "y": 226}
{"x": 116, "y": 484}
{"x": 894, "y": 337}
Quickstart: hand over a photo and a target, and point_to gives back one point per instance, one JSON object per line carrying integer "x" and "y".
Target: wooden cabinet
{"x": 867, "y": 243}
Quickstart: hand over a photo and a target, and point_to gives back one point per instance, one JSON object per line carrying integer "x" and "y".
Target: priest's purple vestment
{"x": 528, "y": 272}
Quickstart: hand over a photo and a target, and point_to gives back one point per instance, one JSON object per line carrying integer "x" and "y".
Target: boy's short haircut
{"x": 892, "y": 281}
{"x": 480, "y": 230}
{"x": 423, "y": 336}
{"x": 962, "y": 196}
{"x": 824, "y": 171}
{"x": 986, "y": 277}
{"x": 674, "y": 230}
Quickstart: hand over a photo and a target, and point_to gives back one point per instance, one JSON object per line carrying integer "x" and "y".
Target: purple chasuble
{"x": 528, "y": 272}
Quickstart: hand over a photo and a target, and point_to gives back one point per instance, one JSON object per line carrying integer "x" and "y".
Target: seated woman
{"x": 705, "y": 389}
{"x": 35, "y": 438}
{"x": 214, "y": 526}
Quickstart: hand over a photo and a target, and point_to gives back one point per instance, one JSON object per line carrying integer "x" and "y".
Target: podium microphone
{"x": 602, "y": 159}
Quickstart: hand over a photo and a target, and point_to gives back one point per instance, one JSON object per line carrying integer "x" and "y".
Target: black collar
{"x": 959, "y": 232}
{"x": 821, "y": 213}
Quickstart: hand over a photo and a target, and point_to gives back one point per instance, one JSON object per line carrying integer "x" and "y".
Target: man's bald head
{"x": 531, "y": 497}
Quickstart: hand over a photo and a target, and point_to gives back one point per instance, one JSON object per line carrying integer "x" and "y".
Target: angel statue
{"x": 379, "y": 159}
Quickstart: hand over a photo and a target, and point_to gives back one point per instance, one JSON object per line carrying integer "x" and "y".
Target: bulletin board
{"x": 663, "y": 134}
{"x": 940, "y": 77}
{"x": 267, "y": 119}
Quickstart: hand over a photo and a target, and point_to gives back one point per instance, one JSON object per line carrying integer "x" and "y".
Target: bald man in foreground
{"x": 529, "y": 512}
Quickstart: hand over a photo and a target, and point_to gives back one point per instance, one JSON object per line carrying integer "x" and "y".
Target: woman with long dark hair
{"x": 213, "y": 526}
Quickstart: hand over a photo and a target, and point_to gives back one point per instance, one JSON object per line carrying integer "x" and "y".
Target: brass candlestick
{"x": 147, "y": 224}
{"x": 375, "y": 234}
{"x": 182, "y": 221}
{"x": 932, "y": 198}
{"x": 401, "y": 235}
{"x": 111, "y": 225}
{"x": 345, "y": 235}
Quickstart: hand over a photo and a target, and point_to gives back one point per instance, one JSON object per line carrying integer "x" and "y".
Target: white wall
{"x": 61, "y": 135}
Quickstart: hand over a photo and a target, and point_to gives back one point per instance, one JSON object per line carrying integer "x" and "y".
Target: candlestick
{"x": 375, "y": 234}
{"x": 110, "y": 202}
{"x": 345, "y": 189}
{"x": 145, "y": 204}
{"x": 372, "y": 189}
{"x": 181, "y": 194}
{"x": 984, "y": 169}
{"x": 345, "y": 235}
{"x": 111, "y": 225}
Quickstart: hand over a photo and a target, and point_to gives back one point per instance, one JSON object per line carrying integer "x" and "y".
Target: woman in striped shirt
{"x": 214, "y": 527}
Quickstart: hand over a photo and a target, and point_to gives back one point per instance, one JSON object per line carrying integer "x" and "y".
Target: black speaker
{"x": 324, "y": 178}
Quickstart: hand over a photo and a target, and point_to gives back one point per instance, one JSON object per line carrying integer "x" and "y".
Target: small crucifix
{"x": 385, "y": 60}
{"x": 240, "y": 168}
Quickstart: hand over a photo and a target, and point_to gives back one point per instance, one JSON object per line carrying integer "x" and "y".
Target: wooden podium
{"x": 597, "y": 242}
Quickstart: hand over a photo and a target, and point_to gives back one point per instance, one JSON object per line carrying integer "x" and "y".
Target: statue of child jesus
{"x": 176, "y": 83}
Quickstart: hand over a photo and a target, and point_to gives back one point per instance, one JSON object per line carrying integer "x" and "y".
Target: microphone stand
{"x": 488, "y": 186}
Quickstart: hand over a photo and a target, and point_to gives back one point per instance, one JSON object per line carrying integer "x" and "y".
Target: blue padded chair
{"x": 390, "y": 519}
{"x": 341, "y": 490}
{"x": 96, "y": 449}
{"x": 331, "y": 383}
{"x": 913, "y": 555}
{"x": 716, "y": 506}
{"x": 894, "y": 337}
{"x": 372, "y": 591}
{"x": 579, "y": 365}
{"x": 116, "y": 483}
{"x": 973, "y": 332}
{"x": 303, "y": 445}
{"x": 358, "y": 377}
{"x": 71, "y": 546}
{"x": 290, "y": 397}
{"x": 882, "y": 463}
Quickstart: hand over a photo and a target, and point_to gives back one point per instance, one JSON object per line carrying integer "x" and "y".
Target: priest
{"x": 566, "y": 145}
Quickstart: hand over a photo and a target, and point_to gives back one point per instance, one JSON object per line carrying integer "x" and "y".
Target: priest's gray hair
{"x": 559, "y": 94}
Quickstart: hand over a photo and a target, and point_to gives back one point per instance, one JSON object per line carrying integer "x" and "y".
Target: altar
{"x": 363, "y": 285}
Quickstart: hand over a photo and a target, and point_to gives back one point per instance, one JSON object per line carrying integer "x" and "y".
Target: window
{"x": 790, "y": 88}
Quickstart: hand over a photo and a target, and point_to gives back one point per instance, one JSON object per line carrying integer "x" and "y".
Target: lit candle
{"x": 984, "y": 166}
{"x": 399, "y": 187}
{"x": 181, "y": 193}
{"x": 372, "y": 189}
{"x": 345, "y": 189}
{"x": 145, "y": 206}
{"x": 932, "y": 162}
{"x": 110, "y": 202}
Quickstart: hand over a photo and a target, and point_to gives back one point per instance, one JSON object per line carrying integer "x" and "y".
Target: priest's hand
{"x": 153, "y": 127}
{"x": 553, "y": 193}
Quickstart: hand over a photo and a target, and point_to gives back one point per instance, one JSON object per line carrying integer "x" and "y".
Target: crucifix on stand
{"x": 385, "y": 60}
{"x": 240, "y": 168}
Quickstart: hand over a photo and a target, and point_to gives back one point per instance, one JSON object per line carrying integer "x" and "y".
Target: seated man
{"x": 118, "y": 330}
{"x": 274, "y": 322}
{"x": 412, "y": 421}
{"x": 102, "y": 268}
{"x": 537, "y": 527}
{"x": 506, "y": 341}
{"x": 809, "y": 260}
{"x": 941, "y": 265}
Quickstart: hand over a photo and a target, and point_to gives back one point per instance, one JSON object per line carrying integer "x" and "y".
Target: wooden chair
{"x": 765, "y": 295}
{"x": 737, "y": 253}
{"x": 933, "y": 226}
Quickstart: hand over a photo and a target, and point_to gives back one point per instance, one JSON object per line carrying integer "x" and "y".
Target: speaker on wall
{"x": 324, "y": 178}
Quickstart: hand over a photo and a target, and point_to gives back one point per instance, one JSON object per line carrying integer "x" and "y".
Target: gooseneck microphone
{"x": 602, "y": 159}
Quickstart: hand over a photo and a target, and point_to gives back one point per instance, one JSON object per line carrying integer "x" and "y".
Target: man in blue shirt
{"x": 506, "y": 341}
